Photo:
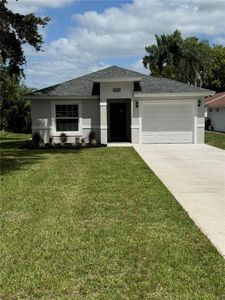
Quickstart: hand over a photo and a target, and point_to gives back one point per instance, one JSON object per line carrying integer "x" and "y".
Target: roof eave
{"x": 55, "y": 97}
{"x": 174, "y": 95}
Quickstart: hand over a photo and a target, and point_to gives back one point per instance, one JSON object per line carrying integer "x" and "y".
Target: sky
{"x": 84, "y": 36}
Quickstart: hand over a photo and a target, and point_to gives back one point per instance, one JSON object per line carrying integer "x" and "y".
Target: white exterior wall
{"x": 42, "y": 113}
{"x": 93, "y": 113}
{"x": 217, "y": 117}
{"x": 200, "y": 123}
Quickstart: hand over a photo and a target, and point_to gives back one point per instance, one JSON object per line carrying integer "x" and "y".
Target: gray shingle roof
{"x": 82, "y": 86}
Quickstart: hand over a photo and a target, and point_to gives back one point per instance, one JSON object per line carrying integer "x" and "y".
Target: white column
{"x": 103, "y": 122}
{"x": 135, "y": 139}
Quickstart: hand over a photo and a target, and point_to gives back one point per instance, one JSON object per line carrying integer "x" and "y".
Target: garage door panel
{"x": 167, "y": 122}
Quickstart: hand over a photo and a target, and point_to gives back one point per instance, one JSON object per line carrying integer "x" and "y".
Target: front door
{"x": 118, "y": 122}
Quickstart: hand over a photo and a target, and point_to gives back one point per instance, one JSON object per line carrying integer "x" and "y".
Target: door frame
{"x": 128, "y": 121}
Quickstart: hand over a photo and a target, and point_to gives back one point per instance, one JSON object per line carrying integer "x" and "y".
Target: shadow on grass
{"x": 12, "y": 158}
{"x": 9, "y": 138}
{"x": 11, "y": 144}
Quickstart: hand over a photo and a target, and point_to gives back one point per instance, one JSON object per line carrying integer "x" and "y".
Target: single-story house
{"x": 215, "y": 111}
{"x": 120, "y": 105}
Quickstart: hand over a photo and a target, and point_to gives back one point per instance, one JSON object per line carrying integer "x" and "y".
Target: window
{"x": 67, "y": 118}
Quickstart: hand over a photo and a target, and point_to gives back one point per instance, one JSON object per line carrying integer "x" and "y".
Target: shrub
{"x": 77, "y": 140}
{"x": 50, "y": 140}
{"x": 63, "y": 138}
{"x": 92, "y": 137}
{"x": 36, "y": 139}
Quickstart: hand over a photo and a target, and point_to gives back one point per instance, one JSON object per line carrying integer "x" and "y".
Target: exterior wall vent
{"x": 116, "y": 90}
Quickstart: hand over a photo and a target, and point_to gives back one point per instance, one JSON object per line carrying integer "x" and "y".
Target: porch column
{"x": 103, "y": 122}
{"x": 135, "y": 122}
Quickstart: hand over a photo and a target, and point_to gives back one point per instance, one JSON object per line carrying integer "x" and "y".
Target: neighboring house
{"x": 215, "y": 106}
{"x": 120, "y": 105}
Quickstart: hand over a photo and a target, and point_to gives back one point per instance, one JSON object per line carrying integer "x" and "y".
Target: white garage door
{"x": 167, "y": 122}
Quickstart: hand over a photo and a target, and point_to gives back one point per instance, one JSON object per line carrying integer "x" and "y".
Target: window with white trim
{"x": 67, "y": 117}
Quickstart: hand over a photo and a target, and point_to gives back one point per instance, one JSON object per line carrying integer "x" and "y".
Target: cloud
{"x": 138, "y": 66}
{"x": 209, "y": 5}
{"x": 123, "y": 32}
{"x": 219, "y": 40}
{"x": 31, "y": 6}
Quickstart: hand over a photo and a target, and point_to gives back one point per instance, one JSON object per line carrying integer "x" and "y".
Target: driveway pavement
{"x": 195, "y": 175}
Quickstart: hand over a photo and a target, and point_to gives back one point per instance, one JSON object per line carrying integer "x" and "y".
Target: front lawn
{"x": 216, "y": 139}
{"x": 97, "y": 224}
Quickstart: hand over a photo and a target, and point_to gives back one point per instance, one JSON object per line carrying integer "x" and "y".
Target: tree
{"x": 15, "y": 30}
{"x": 163, "y": 58}
{"x": 15, "y": 110}
{"x": 215, "y": 77}
{"x": 186, "y": 60}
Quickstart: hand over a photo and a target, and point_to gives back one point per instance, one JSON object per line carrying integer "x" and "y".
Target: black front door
{"x": 118, "y": 122}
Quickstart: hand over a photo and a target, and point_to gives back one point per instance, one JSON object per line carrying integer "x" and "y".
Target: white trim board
{"x": 173, "y": 95}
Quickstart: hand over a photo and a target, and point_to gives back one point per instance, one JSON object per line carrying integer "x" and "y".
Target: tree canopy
{"x": 15, "y": 110}
{"x": 187, "y": 60}
{"x": 15, "y": 30}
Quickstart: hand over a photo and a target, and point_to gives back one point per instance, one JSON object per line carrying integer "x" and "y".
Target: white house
{"x": 215, "y": 106}
{"x": 120, "y": 105}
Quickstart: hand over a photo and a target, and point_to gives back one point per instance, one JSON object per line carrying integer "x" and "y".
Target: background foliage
{"x": 15, "y": 110}
{"x": 15, "y": 31}
{"x": 187, "y": 60}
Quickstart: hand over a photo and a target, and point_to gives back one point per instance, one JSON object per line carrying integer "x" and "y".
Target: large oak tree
{"x": 15, "y": 31}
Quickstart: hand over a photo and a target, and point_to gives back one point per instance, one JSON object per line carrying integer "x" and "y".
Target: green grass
{"x": 97, "y": 224}
{"x": 216, "y": 139}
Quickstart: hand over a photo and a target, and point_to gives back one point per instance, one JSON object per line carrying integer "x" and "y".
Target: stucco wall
{"x": 217, "y": 117}
{"x": 42, "y": 122}
{"x": 200, "y": 122}
{"x": 94, "y": 114}
{"x": 106, "y": 90}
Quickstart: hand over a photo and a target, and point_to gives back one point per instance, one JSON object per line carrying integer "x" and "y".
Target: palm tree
{"x": 173, "y": 57}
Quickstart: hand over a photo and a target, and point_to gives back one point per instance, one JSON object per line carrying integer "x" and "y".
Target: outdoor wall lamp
{"x": 137, "y": 104}
{"x": 199, "y": 103}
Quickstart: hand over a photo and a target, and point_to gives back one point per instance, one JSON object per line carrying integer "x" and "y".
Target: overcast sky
{"x": 87, "y": 35}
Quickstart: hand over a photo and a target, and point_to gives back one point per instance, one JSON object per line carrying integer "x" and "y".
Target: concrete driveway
{"x": 195, "y": 175}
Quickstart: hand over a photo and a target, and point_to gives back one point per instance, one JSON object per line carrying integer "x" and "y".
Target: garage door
{"x": 165, "y": 122}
